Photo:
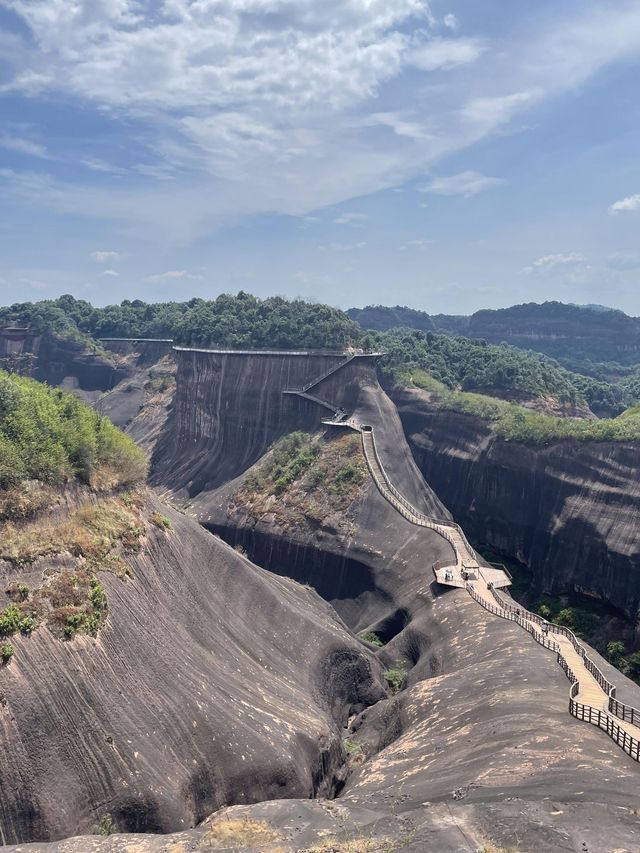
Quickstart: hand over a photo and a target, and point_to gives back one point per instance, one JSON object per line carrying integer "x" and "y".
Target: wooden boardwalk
{"x": 591, "y": 696}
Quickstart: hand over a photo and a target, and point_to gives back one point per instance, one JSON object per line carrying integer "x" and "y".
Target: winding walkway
{"x": 592, "y": 697}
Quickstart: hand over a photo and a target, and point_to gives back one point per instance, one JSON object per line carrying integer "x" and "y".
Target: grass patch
{"x": 306, "y": 480}
{"x": 360, "y": 844}
{"x": 235, "y": 832}
{"x": 160, "y": 520}
{"x": 91, "y": 531}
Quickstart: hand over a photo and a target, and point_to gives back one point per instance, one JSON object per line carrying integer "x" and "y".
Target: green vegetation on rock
{"x": 305, "y": 479}
{"x": 372, "y": 638}
{"x": 396, "y": 678}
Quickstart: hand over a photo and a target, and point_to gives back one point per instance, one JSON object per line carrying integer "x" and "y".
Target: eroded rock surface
{"x": 213, "y": 682}
{"x": 568, "y": 511}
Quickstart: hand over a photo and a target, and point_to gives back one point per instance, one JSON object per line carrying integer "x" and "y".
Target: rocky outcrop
{"x": 567, "y": 511}
{"x": 229, "y": 408}
{"x": 478, "y": 751}
{"x": 213, "y": 682}
{"x": 63, "y": 362}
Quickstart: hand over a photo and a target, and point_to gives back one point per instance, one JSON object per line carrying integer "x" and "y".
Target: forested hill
{"x": 228, "y": 321}
{"x": 585, "y": 339}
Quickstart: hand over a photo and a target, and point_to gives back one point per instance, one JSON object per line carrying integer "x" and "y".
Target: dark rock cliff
{"x": 478, "y": 752}
{"x": 65, "y": 363}
{"x": 212, "y": 683}
{"x": 569, "y": 511}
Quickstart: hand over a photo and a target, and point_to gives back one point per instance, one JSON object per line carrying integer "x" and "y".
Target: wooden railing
{"x": 590, "y": 666}
{"x": 407, "y": 509}
{"x": 596, "y": 716}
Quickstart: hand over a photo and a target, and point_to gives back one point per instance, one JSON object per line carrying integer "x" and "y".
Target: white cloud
{"x": 557, "y": 262}
{"x": 630, "y": 203}
{"x": 420, "y": 244}
{"x": 350, "y": 218}
{"x": 23, "y": 146}
{"x": 446, "y": 53}
{"x": 489, "y": 113}
{"x": 170, "y": 275}
{"x": 289, "y": 106}
{"x": 111, "y": 273}
{"x": 103, "y": 257}
{"x": 464, "y": 183}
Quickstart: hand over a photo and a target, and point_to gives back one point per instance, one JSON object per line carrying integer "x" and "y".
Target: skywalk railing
{"x": 596, "y": 716}
{"x": 416, "y": 516}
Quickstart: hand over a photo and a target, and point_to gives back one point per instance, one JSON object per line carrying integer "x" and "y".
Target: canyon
{"x": 477, "y": 750}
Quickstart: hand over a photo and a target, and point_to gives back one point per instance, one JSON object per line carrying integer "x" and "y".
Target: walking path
{"x": 592, "y": 696}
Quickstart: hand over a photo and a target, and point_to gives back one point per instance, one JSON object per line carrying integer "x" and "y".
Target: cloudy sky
{"x": 446, "y": 155}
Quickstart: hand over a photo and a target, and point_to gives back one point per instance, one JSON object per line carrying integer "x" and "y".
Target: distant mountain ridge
{"x": 572, "y": 334}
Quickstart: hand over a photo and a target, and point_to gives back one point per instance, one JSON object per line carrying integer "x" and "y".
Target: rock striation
{"x": 212, "y": 683}
{"x": 567, "y": 511}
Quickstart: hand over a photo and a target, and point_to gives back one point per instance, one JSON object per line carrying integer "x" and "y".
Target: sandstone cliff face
{"x": 65, "y": 363}
{"x": 228, "y": 410}
{"x": 568, "y": 511}
{"x": 468, "y": 756}
{"x": 213, "y": 682}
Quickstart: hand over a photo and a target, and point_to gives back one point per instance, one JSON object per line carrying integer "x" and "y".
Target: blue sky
{"x": 445, "y": 155}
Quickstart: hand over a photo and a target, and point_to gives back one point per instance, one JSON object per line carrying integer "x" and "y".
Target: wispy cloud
{"x": 264, "y": 106}
{"x": 101, "y": 256}
{"x": 551, "y": 263}
{"x": 464, "y": 183}
{"x": 350, "y": 218}
{"x": 172, "y": 275}
{"x": 446, "y": 53}
{"x": 23, "y": 146}
{"x": 111, "y": 273}
{"x": 625, "y": 205}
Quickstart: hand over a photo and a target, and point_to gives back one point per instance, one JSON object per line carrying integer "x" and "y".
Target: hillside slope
{"x": 188, "y": 699}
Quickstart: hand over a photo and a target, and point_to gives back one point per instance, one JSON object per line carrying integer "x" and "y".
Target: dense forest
{"x": 244, "y": 321}
{"x": 49, "y": 435}
{"x": 468, "y": 365}
{"x": 229, "y": 321}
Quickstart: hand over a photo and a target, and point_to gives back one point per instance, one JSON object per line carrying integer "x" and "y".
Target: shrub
{"x": 371, "y": 638}
{"x": 352, "y": 748}
{"x": 107, "y": 825}
{"x": 396, "y": 678}
{"x": 615, "y": 652}
{"x": 51, "y": 436}
{"x": 9, "y": 620}
{"x": 6, "y": 653}
{"x": 160, "y": 521}
{"x": 27, "y": 624}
